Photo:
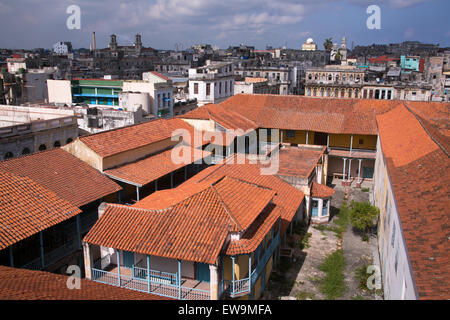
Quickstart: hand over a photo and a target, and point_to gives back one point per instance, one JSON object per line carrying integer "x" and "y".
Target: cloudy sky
{"x": 165, "y": 23}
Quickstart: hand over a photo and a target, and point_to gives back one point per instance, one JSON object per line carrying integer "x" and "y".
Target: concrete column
{"x": 137, "y": 193}
{"x": 320, "y": 207}
{"x": 307, "y": 136}
{"x": 349, "y": 168}
{"x": 343, "y": 170}
{"x": 359, "y": 170}
{"x": 87, "y": 255}
{"x": 179, "y": 279}
{"x": 328, "y": 140}
{"x": 319, "y": 173}
{"x": 213, "y": 282}
{"x": 118, "y": 266}
{"x": 148, "y": 274}
{"x": 232, "y": 270}
{"x": 351, "y": 144}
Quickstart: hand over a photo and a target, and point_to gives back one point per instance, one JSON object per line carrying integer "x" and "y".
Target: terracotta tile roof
{"x": 252, "y": 238}
{"x": 436, "y": 113}
{"x": 299, "y": 161}
{"x": 230, "y": 191}
{"x": 64, "y": 174}
{"x": 23, "y": 284}
{"x": 144, "y": 171}
{"x": 243, "y": 200}
{"x": 321, "y": 191}
{"x": 160, "y": 75}
{"x": 226, "y": 117}
{"x": 193, "y": 229}
{"x": 114, "y": 141}
{"x": 287, "y": 198}
{"x": 339, "y": 116}
{"x": 27, "y": 208}
{"x": 418, "y": 171}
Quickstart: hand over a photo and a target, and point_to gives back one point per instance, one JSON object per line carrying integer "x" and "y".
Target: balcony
{"x": 241, "y": 287}
{"x": 143, "y": 279}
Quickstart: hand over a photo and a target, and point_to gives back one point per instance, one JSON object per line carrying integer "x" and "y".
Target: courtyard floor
{"x": 301, "y": 277}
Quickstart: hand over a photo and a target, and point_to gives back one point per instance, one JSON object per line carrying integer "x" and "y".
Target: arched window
{"x": 57, "y": 144}
{"x": 26, "y": 151}
{"x": 336, "y": 93}
{"x": 322, "y": 92}
{"x": 42, "y": 147}
{"x": 337, "y": 78}
{"x": 69, "y": 140}
{"x": 9, "y": 155}
{"x": 329, "y": 77}
{"x": 314, "y": 92}
{"x": 342, "y": 93}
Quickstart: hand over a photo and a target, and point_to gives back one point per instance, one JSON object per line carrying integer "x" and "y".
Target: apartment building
{"x": 212, "y": 83}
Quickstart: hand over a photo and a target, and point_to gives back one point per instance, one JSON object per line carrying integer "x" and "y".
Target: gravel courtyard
{"x": 301, "y": 277}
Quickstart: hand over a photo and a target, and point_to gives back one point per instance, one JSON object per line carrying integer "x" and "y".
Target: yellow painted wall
{"x": 241, "y": 267}
{"x": 300, "y": 137}
{"x": 340, "y": 140}
{"x": 369, "y": 142}
{"x": 343, "y": 141}
{"x": 134, "y": 154}
{"x": 82, "y": 152}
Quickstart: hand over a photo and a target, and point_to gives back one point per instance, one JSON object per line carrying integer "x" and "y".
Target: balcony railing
{"x": 159, "y": 283}
{"x": 244, "y": 286}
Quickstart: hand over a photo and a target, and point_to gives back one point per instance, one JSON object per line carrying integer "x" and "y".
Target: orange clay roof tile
{"x": 114, "y": 141}
{"x": 22, "y": 284}
{"x": 144, "y": 171}
{"x": 418, "y": 172}
{"x": 27, "y": 208}
{"x": 65, "y": 175}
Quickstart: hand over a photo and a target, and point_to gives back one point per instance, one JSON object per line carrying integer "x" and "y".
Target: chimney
{"x": 93, "y": 39}
{"x": 101, "y": 209}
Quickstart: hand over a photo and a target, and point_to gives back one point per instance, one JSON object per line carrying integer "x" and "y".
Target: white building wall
{"x": 396, "y": 271}
{"x": 59, "y": 91}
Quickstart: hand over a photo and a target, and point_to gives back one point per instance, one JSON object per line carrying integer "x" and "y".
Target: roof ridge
{"x": 248, "y": 182}
{"x": 227, "y": 210}
{"x": 419, "y": 120}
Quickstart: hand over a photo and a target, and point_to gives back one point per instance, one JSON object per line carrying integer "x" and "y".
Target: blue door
{"x": 203, "y": 272}
{"x": 128, "y": 259}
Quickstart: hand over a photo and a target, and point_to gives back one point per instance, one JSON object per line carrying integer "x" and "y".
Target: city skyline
{"x": 163, "y": 24}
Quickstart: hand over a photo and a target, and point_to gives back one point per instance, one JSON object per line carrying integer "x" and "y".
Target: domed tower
{"x": 138, "y": 44}
{"x": 113, "y": 43}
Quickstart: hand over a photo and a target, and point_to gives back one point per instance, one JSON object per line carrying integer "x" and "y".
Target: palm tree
{"x": 328, "y": 44}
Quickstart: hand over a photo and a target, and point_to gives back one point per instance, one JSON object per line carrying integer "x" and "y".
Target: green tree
{"x": 328, "y": 44}
{"x": 363, "y": 216}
